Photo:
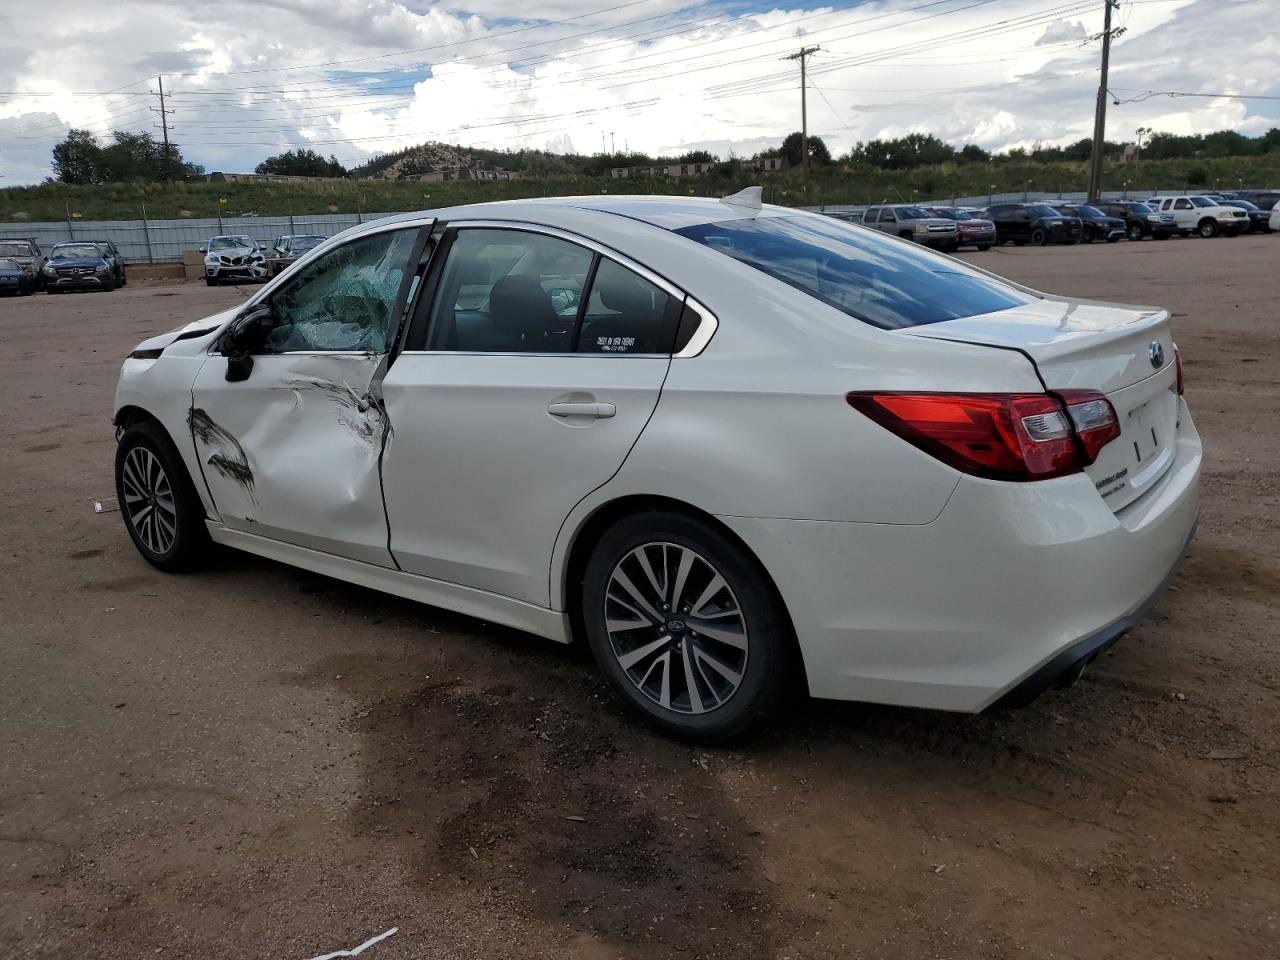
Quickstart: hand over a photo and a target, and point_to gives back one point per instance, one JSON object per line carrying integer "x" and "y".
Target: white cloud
{"x": 709, "y": 77}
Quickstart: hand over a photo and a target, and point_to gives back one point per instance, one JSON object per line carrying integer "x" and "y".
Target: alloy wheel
{"x": 676, "y": 628}
{"x": 148, "y": 500}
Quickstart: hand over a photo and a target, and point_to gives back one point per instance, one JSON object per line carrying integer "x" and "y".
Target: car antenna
{"x": 748, "y": 199}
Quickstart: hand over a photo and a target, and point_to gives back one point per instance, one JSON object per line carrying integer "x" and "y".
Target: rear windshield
{"x": 861, "y": 272}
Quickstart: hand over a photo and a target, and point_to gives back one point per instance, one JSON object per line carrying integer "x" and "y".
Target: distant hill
{"x": 431, "y": 156}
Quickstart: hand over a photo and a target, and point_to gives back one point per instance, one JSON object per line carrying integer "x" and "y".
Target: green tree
{"x": 302, "y": 163}
{"x": 819, "y": 155}
{"x": 78, "y": 159}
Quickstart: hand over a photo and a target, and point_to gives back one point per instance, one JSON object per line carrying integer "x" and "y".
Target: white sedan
{"x": 726, "y": 445}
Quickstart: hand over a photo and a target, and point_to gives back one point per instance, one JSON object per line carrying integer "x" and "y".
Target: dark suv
{"x": 1097, "y": 225}
{"x": 1035, "y": 223}
{"x": 27, "y": 254}
{"x": 1140, "y": 220}
{"x": 112, "y": 255}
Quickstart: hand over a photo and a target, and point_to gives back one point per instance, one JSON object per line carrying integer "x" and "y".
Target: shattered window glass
{"x": 344, "y": 300}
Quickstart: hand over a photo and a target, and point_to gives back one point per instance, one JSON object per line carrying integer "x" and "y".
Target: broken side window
{"x": 342, "y": 301}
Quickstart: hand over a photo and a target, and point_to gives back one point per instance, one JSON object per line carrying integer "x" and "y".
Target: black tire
{"x": 1207, "y": 228}
{"x": 767, "y": 663}
{"x": 1039, "y": 236}
{"x": 124, "y": 278}
{"x": 211, "y": 281}
{"x": 984, "y": 246}
{"x": 189, "y": 544}
{"x": 1162, "y": 236}
{"x": 1134, "y": 231}
{"x": 1113, "y": 239}
{"x": 1019, "y": 243}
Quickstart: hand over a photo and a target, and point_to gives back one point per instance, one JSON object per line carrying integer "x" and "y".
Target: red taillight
{"x": 1177, "y": 359}
{"x": 1000, "y": 436}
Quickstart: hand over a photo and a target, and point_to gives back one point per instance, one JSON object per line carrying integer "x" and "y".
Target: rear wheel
{"x": 1208, "y": 228}
{"x": 159, "y": 503}
{"x": 686, "y": 627}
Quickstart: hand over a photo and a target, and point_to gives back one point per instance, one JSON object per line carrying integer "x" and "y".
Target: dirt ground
{"x": 260, "y": 762}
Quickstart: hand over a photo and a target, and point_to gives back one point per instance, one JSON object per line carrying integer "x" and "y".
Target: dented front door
{"x": 292, "y": 452}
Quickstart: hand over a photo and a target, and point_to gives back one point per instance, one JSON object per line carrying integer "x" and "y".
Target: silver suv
{"x": 914, "y": 223}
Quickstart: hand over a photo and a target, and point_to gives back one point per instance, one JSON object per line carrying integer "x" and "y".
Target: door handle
{"x": 565, "y": 408}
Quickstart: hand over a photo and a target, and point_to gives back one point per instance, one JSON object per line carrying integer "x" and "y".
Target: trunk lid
{"x": 1124, "y": 351}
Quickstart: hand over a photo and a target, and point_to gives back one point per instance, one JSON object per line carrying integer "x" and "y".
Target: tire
{"x": 1134, "y": 231}
{"x": 124, "y": 278}
{"x": 211, "y": 281}
{"x": 1162, "y": 236}
{"x": 1207, "y": 228}
{"x": 1019, "y": 243}
{"x": 1113, "y": 239}
{"x": 1039, "y": 237}
{"x": 147, "y": 465}
{"x": 984, "y": 246}
{"x": 745, "y": 607}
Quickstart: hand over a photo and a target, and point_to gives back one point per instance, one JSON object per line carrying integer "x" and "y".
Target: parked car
{"x": 974, "y": 231}
{"x": 1263, "y": 199}
{"x": 1196, "y": 214}
{"x": 1274, "y": 221}
{"x": 79, "y": 265}
{"x": 233, "y": 257}
{"x": 27, "y": 254}
{"x": 1035, "y": 223}
{"x": 1095, "y": 225}
{"x": 14, "y": 279}
{"x": 113, "y": 256}
{"x": 911, "y": 222}
{"x": 866, "y": 461}
{"x": 1140, "y": 220}
{"x": 1259, "y": 219}
{"x": 285, "y": 250}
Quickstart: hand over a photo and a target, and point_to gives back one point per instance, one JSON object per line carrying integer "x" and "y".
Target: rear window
{"x": 860, "y": 272}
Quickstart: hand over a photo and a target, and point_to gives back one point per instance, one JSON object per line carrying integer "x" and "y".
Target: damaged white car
{"x": 236, "y": 257}
{"x": 726, "y": 445}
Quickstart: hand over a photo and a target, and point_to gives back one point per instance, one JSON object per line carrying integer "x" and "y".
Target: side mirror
{"x": 245, "y": 335}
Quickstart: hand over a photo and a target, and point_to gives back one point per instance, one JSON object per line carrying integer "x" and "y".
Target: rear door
{"x": 527, "y": 375}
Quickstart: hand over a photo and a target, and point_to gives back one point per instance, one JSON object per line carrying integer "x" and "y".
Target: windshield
{"x": 1089, "y": 212}
{"x": 306, "y": 243}
{"x": 228, "y": 243}
{"x": 75, "y": 251}
{"x": 912, "y": 213}
{"x": 859, "y": 272}
{"x": 1042, "y": 210}
{"x": 12, "y": 248}
{"x": 1243, "y": 205}
{"x": 9, "y": 265}
{"x": 1202, "y": 201}
{"x": 945, "y": 214}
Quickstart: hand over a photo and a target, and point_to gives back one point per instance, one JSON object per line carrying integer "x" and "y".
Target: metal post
{"x": 1100, "y": 111}
{"x": 146, "y": 233}
{"x": 803, "y": 55}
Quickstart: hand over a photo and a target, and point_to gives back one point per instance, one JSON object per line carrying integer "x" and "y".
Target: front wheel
{"x": 162, "y": 511}
{"x": 1039, "y": 237}
{"x": 1208, "y": 228}
{"x": 686, "y": 627}
{"x": 211, "y": 281}
{"x": 1134, "y": 231}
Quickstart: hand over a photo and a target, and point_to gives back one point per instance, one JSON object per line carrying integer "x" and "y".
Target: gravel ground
{"x": 259, "y": 762}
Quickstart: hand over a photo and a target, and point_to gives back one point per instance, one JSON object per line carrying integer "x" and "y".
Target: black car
{"x": 112, "y": 255}
{"x": 1035, "y": 223}
{"x": 1097, "y": 225}
{"x": 1262, "y": 199}
{"x": 79, "y": 265}
{"x": 14, "y": 279}
{"x": 28, "y": 255}
{"x": 1140, "y": 220}
{"x": 1259, "y": 219}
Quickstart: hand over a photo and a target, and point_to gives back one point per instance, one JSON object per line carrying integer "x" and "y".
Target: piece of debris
{"x": 1179, "y": 696}
{"x": 474, "y": 855}
{"x": 117, "y": 706}
{"x": 577, "y": 819}
{"x": 939, "y": 867}
{"x": 1222, "y": 753}
{"x": 99, "y": 506}
{"x": 356, "y": 951}
{"x": 1221, "y": 798}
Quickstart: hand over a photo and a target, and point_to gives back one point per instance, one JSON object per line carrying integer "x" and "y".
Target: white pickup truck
{"x": 1202, "y": 215}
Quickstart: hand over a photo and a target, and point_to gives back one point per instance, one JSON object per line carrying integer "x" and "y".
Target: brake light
{"x": 999, "y": 436}
{"x": 1177, "y": 359}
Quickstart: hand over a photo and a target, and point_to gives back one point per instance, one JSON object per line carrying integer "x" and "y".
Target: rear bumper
{"x": 1008, "y": 581}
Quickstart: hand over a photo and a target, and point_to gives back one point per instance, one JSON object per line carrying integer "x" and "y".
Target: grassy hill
{"x": 124, "y": 201}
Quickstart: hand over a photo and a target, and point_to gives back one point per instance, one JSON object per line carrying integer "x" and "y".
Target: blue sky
{"x": 656, "y": 75}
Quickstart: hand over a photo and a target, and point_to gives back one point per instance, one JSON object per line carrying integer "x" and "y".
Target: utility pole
{"x": 803, "y": 55}
{"x": 1100, "y": 111}
{"x": 164, "y": 126}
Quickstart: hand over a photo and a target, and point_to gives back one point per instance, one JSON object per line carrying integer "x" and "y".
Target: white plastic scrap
{"x": 356, "y": 951}
{"x": 99, "y": 508}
